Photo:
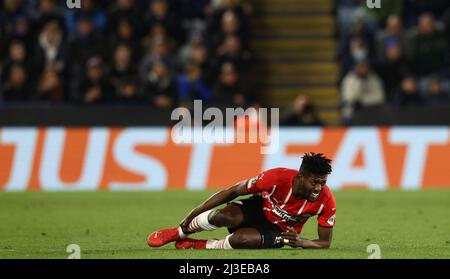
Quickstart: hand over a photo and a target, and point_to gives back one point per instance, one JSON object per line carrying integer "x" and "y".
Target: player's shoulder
{"x": 281, "y": 173}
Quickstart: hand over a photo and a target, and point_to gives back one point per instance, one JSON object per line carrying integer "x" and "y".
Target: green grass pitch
{"x": 115, "y": 225}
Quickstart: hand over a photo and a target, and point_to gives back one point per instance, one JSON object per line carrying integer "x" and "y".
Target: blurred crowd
{"x": 161, "y": 52}
{"x": 398, "y": 54}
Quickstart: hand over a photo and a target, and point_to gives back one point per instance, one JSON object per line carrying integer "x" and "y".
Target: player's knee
{"x": 243, "y": 241}
{"x": 223, "y": 218}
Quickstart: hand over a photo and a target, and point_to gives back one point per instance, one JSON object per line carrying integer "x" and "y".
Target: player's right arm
{"x": 215, "y": 200}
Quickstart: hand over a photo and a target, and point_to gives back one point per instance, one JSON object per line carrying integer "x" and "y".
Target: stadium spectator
{"x": 50, "y": 86}
{"x": 216, "y": 20}
{"x": 95, "y": 88}
{"x": 11, "y": 9}
{"x": 89, "y": 9}
{"x": 408, "y": 93}
{"x": 160, "y": 14}
{"x": 302, "y": 113}
{"x": 51, "y": 49}
{"x": 160, "y": 87}
{"x": 414, "y": 8}
{"x": 230, "y": 26}
{"x": 48, "y": 13}
{"x": 122, "y": 67}
{"x": 127, "y": 91}
{"x": 436, "y": 91}
{"x": 129, "y": 10}
{"x": 347, "y": 12}
{"x": 200, "y": 56}
{"x": 229, "y": 52}
{"x": 394, "y": 30}
{"x": 16, "y": 87}
{"x": 158, "y": 33}
{"x": 17, "y": 56}
{"x": 429, "y": 47}
{"x": 376, "y": 17}
{"x": 229, "y": 89}
{"x": 21, "y": 31}
{"x": 394, "y": 67}
{"x": 185, "y": 52}
{"x": 126, "y": 34}
{"x": 361, "y": 87}
{"x": 82, "y": 46}
{"x": 159, "y": 51}
{"x": 357, "y": 46}
{"x": 191, "y": 85}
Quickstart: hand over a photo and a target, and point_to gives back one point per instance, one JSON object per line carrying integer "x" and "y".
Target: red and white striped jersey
{"x": 280, "y": 206}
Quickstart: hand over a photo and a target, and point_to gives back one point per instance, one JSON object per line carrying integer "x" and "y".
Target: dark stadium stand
{"x": 330, "y": 59}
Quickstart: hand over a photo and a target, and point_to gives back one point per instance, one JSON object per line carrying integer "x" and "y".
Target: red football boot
{"x": 189, "y": 243}
{"x": 162, "y": 237}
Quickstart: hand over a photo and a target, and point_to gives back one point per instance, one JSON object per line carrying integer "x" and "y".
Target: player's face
{"x": 311, "y": 186}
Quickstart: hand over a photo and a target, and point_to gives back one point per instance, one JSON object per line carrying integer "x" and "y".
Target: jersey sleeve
{"x": 263, "y": 182}
{"x": 327, "y": 218}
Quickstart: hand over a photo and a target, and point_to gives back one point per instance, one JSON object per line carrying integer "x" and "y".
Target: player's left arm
{"x": 324, "y": 242}
{"x": 326, "y": 221}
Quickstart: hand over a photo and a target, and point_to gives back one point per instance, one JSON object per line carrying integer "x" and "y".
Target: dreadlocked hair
{"x": 315, "y": 164}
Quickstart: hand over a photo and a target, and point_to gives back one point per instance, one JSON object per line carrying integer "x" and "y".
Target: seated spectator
{"x": 394, "y": 30}
{"x": 128, "y": 92}
{"x": 159, "y": 13}
{"x": 90, "y": 10}
{"x": 229, "y": 89}
{"x": 159, "y": 51}
{"x": 414, "y": 8}
{"x": 83, "y": 45}
{"x": 128, "y": 10}
{"x": 20, "y": 31}
{"x": 11, "y": 9}
{"x": 199, "y": 56}
{"x": 231, "y": 52}
{"x": 185, "y": 51}
{"x": 191, "y": 86}
{"x": 160, "y": 87}
{"x": 50, "y": 87}
{"x": 217, "y": 18}
{"x": 361, "y": 87}
{"x": 356, "y": 48}
{"x": 302, "y": 113}
{"x": 230, "y": 26}
{"x": 430, "y": 46}
{"x": 394, "y": 68}
{"x": 17, "y": 56}
{"x": 16, "y": 88}
{"x": 435, "y": 91}
{"x": 159, "y": 33}
{"x": 95, "y": 88}
{"x": 122, "y": 67}
{"x": 408, "y": 93}
{"x": 347, "y": 12}
{"x": 48, "y": 12}
{"x": 51, "y": 49}
{"x": 126, "y": 34}
{"x": 378, "y": 16}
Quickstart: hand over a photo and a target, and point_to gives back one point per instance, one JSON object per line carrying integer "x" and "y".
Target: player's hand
{"x": 186, "y": 221}
{"x": 291, "y": 238}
